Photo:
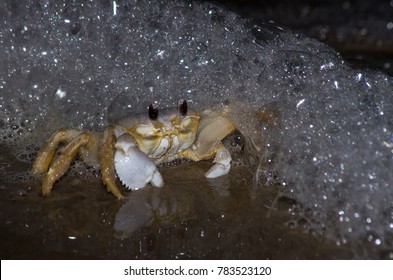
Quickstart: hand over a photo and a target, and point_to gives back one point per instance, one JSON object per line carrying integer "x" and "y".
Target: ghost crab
{"x": 133, "y": 146}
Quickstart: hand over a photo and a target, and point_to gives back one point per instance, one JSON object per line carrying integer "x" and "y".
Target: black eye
{"x": 182, "y": 107}
{"x": 153, "y": 112}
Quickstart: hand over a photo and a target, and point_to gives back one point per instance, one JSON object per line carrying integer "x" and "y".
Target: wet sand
{"x": 193, "y": 218}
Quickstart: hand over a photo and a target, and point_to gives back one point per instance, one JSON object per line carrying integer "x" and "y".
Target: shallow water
{"x": 196, "y": 218}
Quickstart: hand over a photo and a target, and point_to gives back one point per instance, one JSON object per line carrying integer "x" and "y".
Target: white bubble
{"x": 300, "y": 103}
{"x": 60, "y": 93}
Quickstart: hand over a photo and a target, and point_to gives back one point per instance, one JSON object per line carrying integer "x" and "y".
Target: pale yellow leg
{"x": 197, "y": 155}
{"x": 45, "y": 156}
{"x": 62, "y": 162}
{"x": 106, "y": 162}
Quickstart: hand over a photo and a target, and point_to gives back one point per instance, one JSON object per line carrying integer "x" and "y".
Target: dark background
{"x": 361, "y": 30}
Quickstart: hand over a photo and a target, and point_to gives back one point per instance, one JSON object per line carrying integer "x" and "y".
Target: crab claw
{"x": 222, "y": 163}
{"x": 134, "y": 168}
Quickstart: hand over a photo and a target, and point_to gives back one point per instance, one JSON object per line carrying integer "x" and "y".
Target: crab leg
{"x": 106, "y": 162}
{"x": 62, "y": 162}
{"x": 45, "y": 156}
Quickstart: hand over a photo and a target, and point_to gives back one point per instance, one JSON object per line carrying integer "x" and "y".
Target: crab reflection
{"x": 173, "y": 204}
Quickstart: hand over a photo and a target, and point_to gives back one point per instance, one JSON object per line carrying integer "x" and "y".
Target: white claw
{"x": 134, "y": 168}
{"x": 157, "y": 180}
{"x": 222, "y": 163}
